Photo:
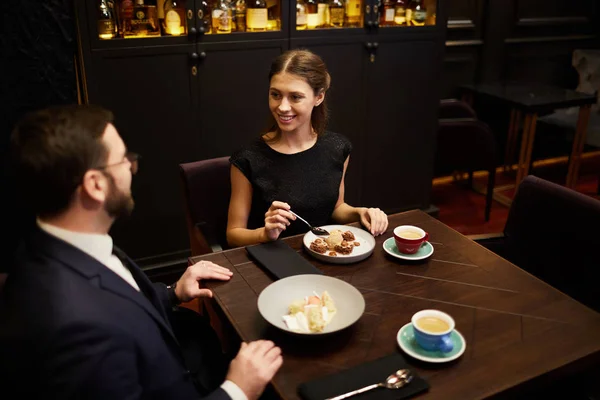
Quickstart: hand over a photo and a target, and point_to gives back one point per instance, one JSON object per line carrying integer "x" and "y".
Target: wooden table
{"x": 517, "y": 327}
{"x": 527, "y": 101}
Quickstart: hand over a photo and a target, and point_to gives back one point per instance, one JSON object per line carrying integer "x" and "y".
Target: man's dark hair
{"x": 52, "y": 149}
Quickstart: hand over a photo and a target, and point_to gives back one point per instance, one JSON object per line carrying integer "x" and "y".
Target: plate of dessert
{"x": 311, "y": 304}
{"x": 344, "y": 244}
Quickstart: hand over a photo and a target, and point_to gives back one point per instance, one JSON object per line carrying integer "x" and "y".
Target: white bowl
{"x": 274, "y": 300}
{"x": 359, "y": 253}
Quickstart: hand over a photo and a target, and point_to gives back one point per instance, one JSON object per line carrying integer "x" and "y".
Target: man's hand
{"x": 254, "y": 366}
{"x": 189, "y": 285}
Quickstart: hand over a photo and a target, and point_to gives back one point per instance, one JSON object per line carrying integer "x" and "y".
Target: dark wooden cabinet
{"x": 233, "y": 93}
{"x": 202, "y": 96}
{"x": 401, "y": 124}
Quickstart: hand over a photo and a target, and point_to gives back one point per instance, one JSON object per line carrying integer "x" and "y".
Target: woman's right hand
{"x": 277, "y": 219}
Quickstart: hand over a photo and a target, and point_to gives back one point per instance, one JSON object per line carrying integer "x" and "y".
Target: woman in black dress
{"x": 297, "y": 165}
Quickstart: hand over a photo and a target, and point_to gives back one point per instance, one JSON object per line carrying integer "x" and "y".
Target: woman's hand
{"x": 277, "y": 219}
{"x": 374, "y": 220}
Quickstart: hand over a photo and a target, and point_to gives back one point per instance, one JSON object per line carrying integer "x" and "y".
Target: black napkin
{"x": 364, "y": 375}
{"x": 281, "y": 260}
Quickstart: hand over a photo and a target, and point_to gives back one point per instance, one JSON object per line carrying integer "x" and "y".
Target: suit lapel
{"x": 101, "y": 276}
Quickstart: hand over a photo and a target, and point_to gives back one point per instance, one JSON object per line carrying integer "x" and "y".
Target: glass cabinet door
{"x": 170, "y": 18}
{"x": 329, "y": 14}
{"x": 404, "y": 13}
{"x": 335, "y": 14}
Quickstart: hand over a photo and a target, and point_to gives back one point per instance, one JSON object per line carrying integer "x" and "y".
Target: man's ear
{"x": 95, "y": 185}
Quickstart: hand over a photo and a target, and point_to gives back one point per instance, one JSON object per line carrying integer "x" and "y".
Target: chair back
{"x": 465, "y": 144}
{"x": 206, "y": 192}
{"x": 552, "y": 232}
{"x": 452, "y": 108}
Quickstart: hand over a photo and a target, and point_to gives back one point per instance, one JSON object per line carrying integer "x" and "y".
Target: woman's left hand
{"x": 375, "y": 220}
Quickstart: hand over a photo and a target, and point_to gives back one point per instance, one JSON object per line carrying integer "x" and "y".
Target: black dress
{"x": 309, "y": 181}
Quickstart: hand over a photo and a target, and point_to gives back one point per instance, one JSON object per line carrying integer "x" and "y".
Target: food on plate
{"x": 349, "y": 236}
{"x": 335, "y": 238}
{"x": 338, "y": 242}
{"x": 311, "y": 314}
{"x": 319, "y": 245}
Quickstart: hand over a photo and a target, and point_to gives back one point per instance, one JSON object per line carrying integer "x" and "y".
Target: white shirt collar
{"x": 96, "y": 245}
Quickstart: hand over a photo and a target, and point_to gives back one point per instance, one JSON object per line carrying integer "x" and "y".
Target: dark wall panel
{"x": 37, "y": 47}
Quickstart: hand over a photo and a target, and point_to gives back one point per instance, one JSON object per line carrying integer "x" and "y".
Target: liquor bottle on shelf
{"x": 174, "y": 22}
{"x": 400, "y": 12}
{"x": 107, "y": 22}
{"x": 233, "y": 21}
{"x": 145, "y": 20}
{"x": 323, "y": 14}
{"x": 354, "y": 17}
{"x": 387, "y": 13}
{"x": 221, "y": 17}
{"x": 160, "y": 9}
{"x": 205, "y": 16}
{"x": 336, "y": 12}
{"x": 240, "y": 15}
{"x": 312, "y": 18}
{"x": 124, "y": 16}
{"x": 256, "y": 16}
{"x": 301, "y": 15}
{"x": 273, "y": 13}
{"x": 416, "y": 13}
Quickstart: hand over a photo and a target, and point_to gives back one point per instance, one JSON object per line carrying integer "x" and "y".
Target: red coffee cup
{"x": 409, "y": 238}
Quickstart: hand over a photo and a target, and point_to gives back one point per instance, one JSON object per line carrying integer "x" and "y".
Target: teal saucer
{"x": 390, "y": 247}
{"x": 408, "y": 343}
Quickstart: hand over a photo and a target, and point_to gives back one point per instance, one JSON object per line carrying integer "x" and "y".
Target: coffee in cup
{"x": 432, "y": 330}
{"x": 409, "y": 238}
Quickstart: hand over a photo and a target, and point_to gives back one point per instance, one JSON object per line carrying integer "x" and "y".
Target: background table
{"x": 529, "y": 100}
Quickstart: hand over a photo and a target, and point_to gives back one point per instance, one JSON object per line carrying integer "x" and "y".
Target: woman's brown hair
{"x": 312, "y": 69}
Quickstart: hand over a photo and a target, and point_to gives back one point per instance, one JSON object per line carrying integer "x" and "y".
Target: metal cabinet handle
{"x": 194, "y": 56}
{"x": 369, "y": 45}
{"x": 202, "y": 55}
{"x": 193, "y": 31}
{"x": 375, "y": 45}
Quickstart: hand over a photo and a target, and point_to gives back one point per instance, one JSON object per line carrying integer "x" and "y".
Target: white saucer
{"x": 425, "y": 251}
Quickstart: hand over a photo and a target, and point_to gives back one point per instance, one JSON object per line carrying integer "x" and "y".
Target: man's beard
{"x": 118, "y": 204}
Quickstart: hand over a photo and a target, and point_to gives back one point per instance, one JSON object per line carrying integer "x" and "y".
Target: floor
{"x": 463, "y": 209}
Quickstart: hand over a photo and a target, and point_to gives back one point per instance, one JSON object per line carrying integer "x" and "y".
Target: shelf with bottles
{"x": 333, "y": 14}
{"x": 404, "y": 13}
{"x": 125, "y": 19}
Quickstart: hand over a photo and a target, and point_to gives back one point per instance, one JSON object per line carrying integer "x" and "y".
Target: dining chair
{"x": 453, "y": 108}
{"x": 206, "y": 192}
{"x": 467, "y": 144}
{"x": 552, "y": 232}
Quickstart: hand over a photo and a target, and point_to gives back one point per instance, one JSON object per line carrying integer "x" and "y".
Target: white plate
{"x": 274, "y": 300}
{"x": 366, "y": 240}
{"x": 425, "y": 251}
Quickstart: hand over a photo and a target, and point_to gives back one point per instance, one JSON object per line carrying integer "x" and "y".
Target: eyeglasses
{"x": 131, "y": 157}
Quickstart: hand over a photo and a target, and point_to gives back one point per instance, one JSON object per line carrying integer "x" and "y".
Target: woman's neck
{"x": 293, "y": 142}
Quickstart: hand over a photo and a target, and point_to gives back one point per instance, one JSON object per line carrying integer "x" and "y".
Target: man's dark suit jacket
{"x": 71, "y": 328}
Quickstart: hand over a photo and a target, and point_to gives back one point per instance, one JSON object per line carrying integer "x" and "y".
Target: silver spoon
{"x": 395, "y": 381}
{"x": 316, "y": 231}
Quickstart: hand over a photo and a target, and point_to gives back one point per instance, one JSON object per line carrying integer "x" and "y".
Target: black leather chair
{"x": 552, "y": 232}
{"x": 206, "y": 191}
{"x": 466, "y": 144}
